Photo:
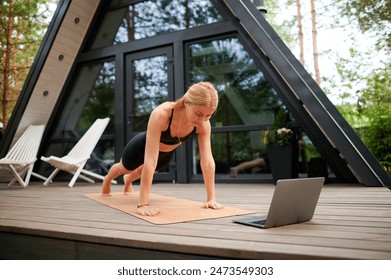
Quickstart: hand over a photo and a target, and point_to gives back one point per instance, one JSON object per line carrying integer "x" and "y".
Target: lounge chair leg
{"x": 39, "y": 176}
{"x": 86, "y": 178}
{"x": 17, "y": 177}
{"x": 49, "y": 179}
{"x": 92, "y": 174}
{"x": 28, "y": 175}
{"x": 74, "y": 178}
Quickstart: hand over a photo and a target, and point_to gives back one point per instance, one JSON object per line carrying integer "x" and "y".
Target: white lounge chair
{"x": 20, "y": 159}
{"x": 76, "y": 159}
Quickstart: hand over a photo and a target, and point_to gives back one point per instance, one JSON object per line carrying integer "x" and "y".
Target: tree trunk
{"x": 314, "y": 43}
{"x": 130, "y": 21}
{"x": 300, "y": 27}
{"x": 7, "y": 61}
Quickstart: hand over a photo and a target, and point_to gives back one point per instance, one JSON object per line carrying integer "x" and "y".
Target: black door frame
{"x": 170, "y": 175}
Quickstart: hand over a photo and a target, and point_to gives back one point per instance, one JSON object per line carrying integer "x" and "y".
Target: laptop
{"x": 294, "y": 201}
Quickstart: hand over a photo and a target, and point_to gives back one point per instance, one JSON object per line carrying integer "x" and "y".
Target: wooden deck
{"x": 57, "y": 222}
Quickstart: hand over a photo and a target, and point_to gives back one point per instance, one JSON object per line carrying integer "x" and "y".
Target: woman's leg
{"x": 258, "y": 162}
{"x": 132, "y": 159}
{"x": 130, "y": 178}
{"x": 163, "y": 160}
{"x": 116, "y": 170}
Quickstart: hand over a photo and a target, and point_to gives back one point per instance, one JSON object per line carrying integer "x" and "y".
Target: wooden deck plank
{"x": 79, "y": 212}
{"x": 204, "y": 246}
{"x": 312, "y": 237}
{"x": 349, "y": 223}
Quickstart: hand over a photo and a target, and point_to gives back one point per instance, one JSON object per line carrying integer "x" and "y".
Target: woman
{"x": 170, "y": 124}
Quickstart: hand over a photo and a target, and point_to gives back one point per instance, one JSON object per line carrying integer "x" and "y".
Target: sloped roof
{"x": 328, "y": 130}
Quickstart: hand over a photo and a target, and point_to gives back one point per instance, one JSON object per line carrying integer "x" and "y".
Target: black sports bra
{"x": 166, "y": 137}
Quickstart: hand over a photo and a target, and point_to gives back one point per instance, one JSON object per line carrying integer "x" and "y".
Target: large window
{"x": 246, "y": 99}
{"x": 150, "y": 18}
{"x": 157, "y": 50}
{"x": 245, "y": 95}
{"x": 150, "y": 88}
{"x": 92, "y": 96}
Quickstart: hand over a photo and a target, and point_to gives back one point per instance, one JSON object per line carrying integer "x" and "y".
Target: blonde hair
{"x": 201, "y": 93}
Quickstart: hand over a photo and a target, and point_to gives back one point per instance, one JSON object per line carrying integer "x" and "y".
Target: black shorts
{"x": 133, "y": 154}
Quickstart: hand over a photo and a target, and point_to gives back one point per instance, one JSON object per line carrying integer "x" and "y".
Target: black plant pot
{"x": 283, "y": 161}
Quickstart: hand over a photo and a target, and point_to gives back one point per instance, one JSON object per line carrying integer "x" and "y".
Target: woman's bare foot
{"x": 128, "y": 185}
{"x": 233, "y": 172}
{"x": 106, "y": 188}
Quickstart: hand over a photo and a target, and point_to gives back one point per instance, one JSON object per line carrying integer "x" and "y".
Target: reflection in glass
{"x": 101, "y": 95}
{"x": 232, "y": 148}
{"x": 91, "y": 97}
{"x": 151, "y": 18}
{"x": 246, "y": 97}
{"x": 150, "y": 88}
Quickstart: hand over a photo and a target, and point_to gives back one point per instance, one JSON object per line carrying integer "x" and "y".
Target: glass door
{"x": 149, "y": 82}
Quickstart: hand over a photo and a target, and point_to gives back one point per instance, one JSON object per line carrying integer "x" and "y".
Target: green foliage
{"x": 378, "y": 140}
{"x": 372, "y": 16}
{"x": 281, "y": 119}
{"x": 311, "y": 151}
{"x": 280, "y": 134}
{"x": 377, "y": 107}
{"x": 99, "y": 105}
{"x": 23, "y": 24}
{"x": 285, "y": 26}
{"x": 371, "y": 115}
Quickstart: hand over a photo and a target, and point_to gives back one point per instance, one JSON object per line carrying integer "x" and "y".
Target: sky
{"x": 333, "y": 42}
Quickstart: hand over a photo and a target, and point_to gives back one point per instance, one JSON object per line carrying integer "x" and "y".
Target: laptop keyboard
{"x": 259, "y": 222}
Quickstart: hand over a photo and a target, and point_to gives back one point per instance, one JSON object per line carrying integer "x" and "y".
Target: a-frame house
{"x": 121, "y": 58}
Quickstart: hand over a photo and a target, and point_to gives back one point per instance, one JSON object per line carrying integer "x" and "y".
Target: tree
{"x": 365, "y": 77}
{"x": 370, "y": 114}
{"x": 376, "y": 104}
{"x": 22, "y": 27}
{"x": 300, "y": 32}
{"x": 362, "y": 80}
{"x": 315, "y": 42}
{"x": 372, "y": 16}
{"x": 282, "y": 21}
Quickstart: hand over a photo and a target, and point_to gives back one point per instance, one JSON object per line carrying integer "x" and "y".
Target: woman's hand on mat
{"x": 214, "y": 205}
{"x": 145, "y": 210}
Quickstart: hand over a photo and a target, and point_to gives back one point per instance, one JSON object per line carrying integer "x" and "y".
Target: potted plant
{"x": 279, "y": 146}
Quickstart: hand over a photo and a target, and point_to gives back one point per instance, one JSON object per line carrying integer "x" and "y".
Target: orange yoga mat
{"x": 172, "y": 209}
